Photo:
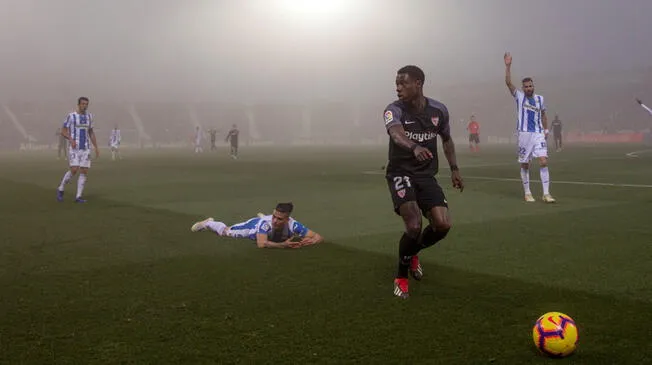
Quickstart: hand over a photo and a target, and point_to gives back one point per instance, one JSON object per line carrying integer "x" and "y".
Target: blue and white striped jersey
{"x": 115, "y": 136}
{"x": 530, "y": 112}
{"x": 79, "y": 127}
{"x": 263, "y": 225}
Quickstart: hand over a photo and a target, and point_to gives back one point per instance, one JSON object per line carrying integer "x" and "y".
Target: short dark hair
{"x": 82, "y": 98}
{"x": 284, "y": 207}
{"x": 414, "y": 72}
{"x": 527, "y": 79}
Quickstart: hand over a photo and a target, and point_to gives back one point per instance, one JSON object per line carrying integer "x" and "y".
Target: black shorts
{"x": 422, "y": 189}
{"x": 474, "y": 137}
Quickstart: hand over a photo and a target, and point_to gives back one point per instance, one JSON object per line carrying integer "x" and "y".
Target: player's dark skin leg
{"x": 440, "y": 225}
{"x": 409, "y": 243}
{"x": 414, "y": 240}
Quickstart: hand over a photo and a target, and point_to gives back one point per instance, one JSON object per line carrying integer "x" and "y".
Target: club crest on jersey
{"x": 389, "y": 117}
{"x": 401, "y": 193}
{"x": 435, "y": 121}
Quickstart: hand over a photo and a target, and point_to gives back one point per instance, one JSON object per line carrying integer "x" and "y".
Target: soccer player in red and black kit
{"x": 413, "y": 123}
{"x": 474, "y": 134}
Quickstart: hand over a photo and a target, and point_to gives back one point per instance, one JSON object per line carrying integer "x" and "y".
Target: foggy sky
{"x": 250, "y": 50}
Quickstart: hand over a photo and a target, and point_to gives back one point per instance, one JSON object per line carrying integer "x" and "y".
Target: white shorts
{"x": 531, "y": 145}
{"x": 115, "y": 145}
{"x": 81, "y": 158}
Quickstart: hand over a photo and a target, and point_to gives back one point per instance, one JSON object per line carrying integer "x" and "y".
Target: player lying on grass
{"x": 277, "y": 230}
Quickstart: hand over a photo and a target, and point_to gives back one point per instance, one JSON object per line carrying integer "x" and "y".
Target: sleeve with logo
{"x": 264, "y": 227}
{"x": 444, "y": 123}
{"x": 392, "y": 116}
{"x": 299, "y": 229}
{"x": 67, "y": 121}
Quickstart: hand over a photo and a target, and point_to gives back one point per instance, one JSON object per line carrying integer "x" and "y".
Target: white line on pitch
{"x": 559, "y": 182}
{"x": 636, "y": 153}
{"x": 586, "y": 183}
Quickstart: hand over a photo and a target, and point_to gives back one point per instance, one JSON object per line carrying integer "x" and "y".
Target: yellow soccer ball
{"x": 555, "y": 334}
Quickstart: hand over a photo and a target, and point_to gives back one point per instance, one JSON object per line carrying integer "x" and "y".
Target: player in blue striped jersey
{"x": 78, "y": 130}
{"x": 114, "y": 143}
{"x": 532, "y": 129}
{"x": 278, "y": 230}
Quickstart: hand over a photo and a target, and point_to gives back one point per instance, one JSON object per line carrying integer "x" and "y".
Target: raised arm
{"x": 644, "y": 106}
{"x": 508, "y": 73}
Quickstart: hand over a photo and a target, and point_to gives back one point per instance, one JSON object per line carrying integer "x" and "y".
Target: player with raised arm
{"x": 532, "y": 128}
{"x": 644, "y": 106}
{"x": 278, "y": 230}
{"x": 413, "y": 123}
{"x": 114, "y": 143}
{"x": 474, "y": 134}
{"x": 78, "y": 130}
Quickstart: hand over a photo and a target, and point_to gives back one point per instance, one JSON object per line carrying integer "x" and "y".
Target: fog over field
{"x": 336, "y": 59}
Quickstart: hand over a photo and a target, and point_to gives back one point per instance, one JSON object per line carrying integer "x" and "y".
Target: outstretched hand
{"x": 639, "y": 101}
{"x": 508, "y": 59}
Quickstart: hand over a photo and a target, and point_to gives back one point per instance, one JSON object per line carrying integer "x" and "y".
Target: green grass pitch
{"x": 122, "y": 280}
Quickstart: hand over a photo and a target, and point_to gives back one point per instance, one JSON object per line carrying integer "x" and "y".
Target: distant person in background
{"x": 114, "y": 143}
{"x": 62, "y": 145}
{"x": 648, "y": 134}
{"x": 78, "y": 130}
{"x": 474, "y": 134}
{"x": 213, "y": 133}
{"x": 198, "y": 138}
{"x": 233, "y": 137}
{"x": 556, "y": 132}
{"x": 644, "y": 106}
